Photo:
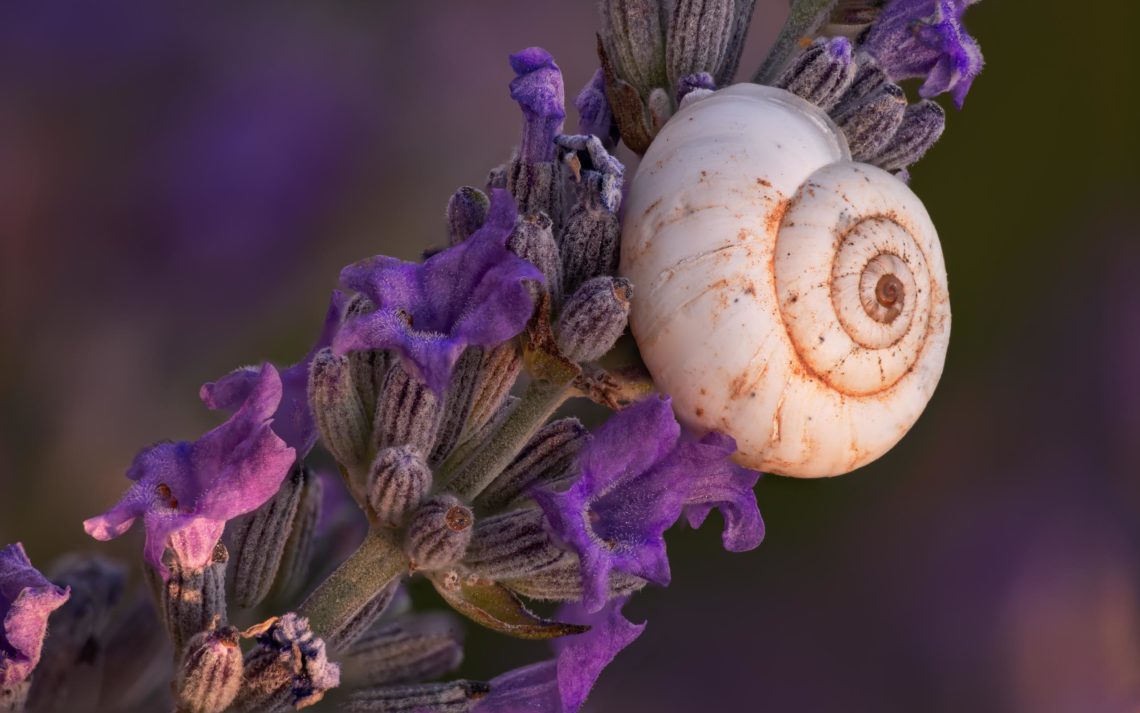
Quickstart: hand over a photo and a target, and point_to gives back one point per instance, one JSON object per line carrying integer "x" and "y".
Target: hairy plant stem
{"x": 353, "y": 584}
{"x": 542, "y": 398}
{"x": 804, "y": 18}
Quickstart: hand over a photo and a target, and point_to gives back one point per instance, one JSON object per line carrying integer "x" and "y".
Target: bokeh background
{"x": 180, "y": 184}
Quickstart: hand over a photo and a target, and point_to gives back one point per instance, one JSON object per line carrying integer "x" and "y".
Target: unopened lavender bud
{"x": 512, "y": 545}
{"x": 594, "y": 317}
{"x": 298, "y": 553}
{"x": 359, "y": 623}
{"x": 259, "y": 540}
{"x": 537, "y": 187}
{"x": 546, "y": 458}
{"x": 466, "y": 211}
{"x": 288, "y": 668}
{"x": 533, "y": 240}
{"x": 367, "y": 366}
{"x": 211, "y": 672}
{"x": 497, "y": 374}
{"x": 590, "y": 242}
{"x": 922, "y": 125}
{"x": 594, "y": 114}
{"x": 457, "y": 403}
{"x": 337, "y": 408}
{"x": 194, "y": 599}
{"x": 821, "y": 73}
{"x": 698, "y": 37}
{"x": 450, "y": 697}
{"x": 869, "y": 78}
{"x": 397, "y": 481}
{"x": 413, "y": 648}
{"x": 564, "y": 584}
{"x": 633, "y": 33}
{"x": 439, "y": 532}
{"x": 692, "y": 82}
{"x": 408, "y": 413}
{"x": 870, "y": 124}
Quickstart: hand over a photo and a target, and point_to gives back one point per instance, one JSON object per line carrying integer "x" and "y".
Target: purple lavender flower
{"x": 561, "y": 686}
{"x": 474, "y": 293}
{"x": 186, "y": 491}
{"x": 538, "y": 90}
{"x": 635, "y": 481}
{"x": 594, "y": 114}
{"x": 27, "y": 598}
{"x": 925, "y": 38}
{"x": 293, "y": 420}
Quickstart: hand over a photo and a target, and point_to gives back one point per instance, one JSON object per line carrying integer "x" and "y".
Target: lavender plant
{"x": 435, "y": 386}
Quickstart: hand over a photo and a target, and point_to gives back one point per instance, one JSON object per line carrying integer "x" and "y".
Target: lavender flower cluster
{"x": 433, "y": 386}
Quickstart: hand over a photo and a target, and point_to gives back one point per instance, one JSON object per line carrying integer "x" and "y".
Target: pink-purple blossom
{"x": 926, "y": 39}
{"x": 636, "y": 478}
{"x": 186, "y": 491}
{"x": 27, "y": 599}
{"x": 472, "y": 294}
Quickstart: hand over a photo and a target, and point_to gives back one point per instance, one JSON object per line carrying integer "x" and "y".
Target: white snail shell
{"x": 783, "y": 294}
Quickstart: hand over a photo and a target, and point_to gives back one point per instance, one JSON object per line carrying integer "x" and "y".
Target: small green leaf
{"x": 496, "y": 607}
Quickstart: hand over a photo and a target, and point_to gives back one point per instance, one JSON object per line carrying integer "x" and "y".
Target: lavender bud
{"x": 660, "y": 107}
{"x": 367, "y": 366}
{"x": 634, "y": 39}
{"x": 533, "y": 240}
{"x": 922, "y": 125}
{"x": 210, "y": 674}
{"x": 594, "y": 114}
{"x": 414, "y": 648}
{"x": 692, "y": 82}
{"x": 497, "y": 374}
{"x": 513, "y": 545}
{"x": 537, "y": 187}
{"x": 457, "y": 403}
{"x": 298, "y": 551}
{"x": 870, "y": 124}
{"x": 407, "y": 412}
{"x": 564, "y": 584}
{"x": 287, "y": 669}
{"x": 362, "y": 620}
{"x": 599, "y": 173}
{"x": 479, "y": 436}
{"x": 194, "y": 599}
{"x": 337, "y": 408}
{"x": 821, "y": 73}
{"x": 594, "y": 317}
{"x": 439, "y": 532}
{"x": 398, "y": 480}
{"x": 591, "y": 240}
{"x": 259, "y": 540}
{"x": 547, "y": 457}
{"x": 450, "y": 697}
{"x": 466, "y": 211}
{"x": 869, "y": 78}
{"x": 698, "y": 37}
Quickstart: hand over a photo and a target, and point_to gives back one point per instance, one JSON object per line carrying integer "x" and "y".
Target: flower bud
{"x": 512, "y": 545}
{"x": 870, "y": 124}
{"x": 211, "y": 671}
{"x": 591, "y": 240}
{"x": 398, "y": 480}
{"x": 594, "y": 317}
{"x": 413, "y": 648}
{"x": 367, "y": 366}
{"x": 633, "y": 34}
{"x": 439, "y": 532}
{"x": 702, "y": 81}
{"x": 288, "y": 668}
{"x": 457, "y": 403}
{"x": 408, "y": 413}
{"x": 259, "y": 538}
{"x": 698, "y": 37}
{"x": 533, "y": 240}
{"x": 194, "y": 599}
{"x": 547, "y": 457}
{"x": 362, "y": 620}
{"x": 821, "y": 73}
{"x": 337, "y": 408}
{"x": 921, "y": 127}
{"x": 497, "y": 374}
{"x": 298, "y": 552}
{"x": 466, "y": 211}
{"x": 537, "y": 187}
{"x": 869, "y": 78}
{"x": 450, "y": 697}
{"x": 594, "y": 114}
{"x": 564, "y": 584}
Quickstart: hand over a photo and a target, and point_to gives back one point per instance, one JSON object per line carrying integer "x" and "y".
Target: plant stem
{"x": 377, "y": 561}
{"x": 541, "y": 399}
{"x": 804, "y": 18}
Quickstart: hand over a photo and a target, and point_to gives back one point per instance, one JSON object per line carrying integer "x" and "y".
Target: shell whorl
{"x": 786, "y": 295}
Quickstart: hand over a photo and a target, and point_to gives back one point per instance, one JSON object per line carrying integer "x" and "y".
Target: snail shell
{"x": 785, "y": 295}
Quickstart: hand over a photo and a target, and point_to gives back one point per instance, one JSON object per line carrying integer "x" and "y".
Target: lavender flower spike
{"x": 538, "y": 90}
{"x": 925, "y": 38}
{"x": 473, "y": 293}
{"x": 186, "y": 491}
{"x": 635, "y": 481}
{"x": 27, "y": 598}
{"x": 293, "y": 420}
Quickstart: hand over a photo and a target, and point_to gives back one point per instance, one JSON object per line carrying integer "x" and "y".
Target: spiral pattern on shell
{"x": 784, "y": 294}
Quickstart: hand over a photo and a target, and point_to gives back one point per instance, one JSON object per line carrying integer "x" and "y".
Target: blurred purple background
{"x": 180, "y": 184}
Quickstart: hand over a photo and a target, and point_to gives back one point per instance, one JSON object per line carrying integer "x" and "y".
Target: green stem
{"x": 542, "y": 398}
{"x": 805, "y": 17}
{"x": 377, "y": 561}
